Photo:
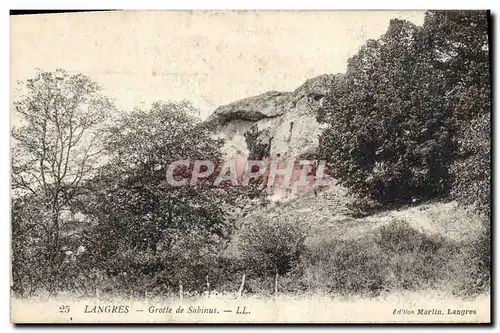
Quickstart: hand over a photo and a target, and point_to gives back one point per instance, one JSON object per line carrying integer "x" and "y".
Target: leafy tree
{"x": 133, "y": 207}
{"x": 389, "y": 134}
{"x": 458, "y": 41}
{"x": 56, "y": 147}
{"x": 461, "y": 50}
{"x": 473, "y": 168}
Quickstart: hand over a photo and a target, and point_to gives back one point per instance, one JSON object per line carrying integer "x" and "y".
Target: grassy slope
{"x": 331, "y": 215}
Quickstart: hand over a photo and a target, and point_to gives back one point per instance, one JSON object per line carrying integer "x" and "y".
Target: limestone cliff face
{"x": 274, "y": 123}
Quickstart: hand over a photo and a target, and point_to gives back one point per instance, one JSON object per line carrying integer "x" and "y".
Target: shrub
{"x": 469, "y": 267}
{"x": 190, "y": 259}
{"x": 400, "y": 237}
{"x": 272, "y": 245}
{"x": 393, "y": 257}
{"x": 352, "y": 266}
{"x": 413, "y": 258}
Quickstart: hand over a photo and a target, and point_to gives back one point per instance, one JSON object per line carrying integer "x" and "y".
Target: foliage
{"x": 28, "y": 247}
{"x": 393, "y": 119}
{"x": 469, "y": 270}
{"x": 145, "y": 226}
{"x": 473, "y": 168}
{"x": 393, "y": 258}
{"x": 345, "y": 266}
{"x": 389, "y": 136}
{"x": 461, "y": 51}
{"x": 272, "y": 245}
{"x": 56, "y": 147}
{"x": 57, "y": 143}
{"x": 459, "y": 44}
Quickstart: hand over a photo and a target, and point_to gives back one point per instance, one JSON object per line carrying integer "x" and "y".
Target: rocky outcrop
{"x": 274, "y": 123}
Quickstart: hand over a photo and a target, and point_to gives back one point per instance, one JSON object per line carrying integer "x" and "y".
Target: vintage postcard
{"x": 251, "y": 167}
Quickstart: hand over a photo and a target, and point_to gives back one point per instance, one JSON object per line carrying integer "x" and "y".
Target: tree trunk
{"x": 181, "y": 292}
{"x": 208, "y": 288}
{"x": 240, "y": 291}
{"x": 276, "y": 285}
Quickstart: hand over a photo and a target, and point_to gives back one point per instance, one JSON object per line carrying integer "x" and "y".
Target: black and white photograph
{"x": 251, "y": 166}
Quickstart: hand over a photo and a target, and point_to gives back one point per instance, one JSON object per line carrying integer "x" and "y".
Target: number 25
{"x": 64, "y": 309}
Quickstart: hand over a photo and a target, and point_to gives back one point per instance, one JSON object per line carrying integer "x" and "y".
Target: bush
{"x": 352, "y": 266}
{"x": 414, "y": 258}
{"x": 272, "y": 245}
{"x": 400, "y": 237}
{"x": 393, "y": 257}
{"x": 191, "y": 258}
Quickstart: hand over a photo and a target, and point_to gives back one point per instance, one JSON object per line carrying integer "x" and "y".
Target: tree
{"x": 473, "y": 168}
{"x": 460, "y": 47}
{"x": 55, "y": 148}
{"x": 458, "y": 41}
{"x": 136, "y": 213}
{"x": 389, "y": 134}
{"x": 28, "y": 242}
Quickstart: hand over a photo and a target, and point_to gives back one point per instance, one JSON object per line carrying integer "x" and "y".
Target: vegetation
{"x": 473, "y": 167}
{"x": 272, "y": 246}
{"x": 395, "y": 257}
{"x": 394, "y": 121}
{"x": 56, "y": 148}
{"x": 408, "y": 121}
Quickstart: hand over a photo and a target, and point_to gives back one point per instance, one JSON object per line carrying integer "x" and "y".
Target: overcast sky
{"x": 208, "y": 58}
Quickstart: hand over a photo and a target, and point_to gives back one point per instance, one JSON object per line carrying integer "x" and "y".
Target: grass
{"x": 396, "y": 257}
{"x": 363, "y": 280}
{"x": 434, "y": 245}
{"x": 431, "y": 247}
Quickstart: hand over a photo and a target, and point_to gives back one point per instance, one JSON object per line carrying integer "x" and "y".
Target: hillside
{"x": 333, "y": 214}
{"x": 284, "y": 125}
